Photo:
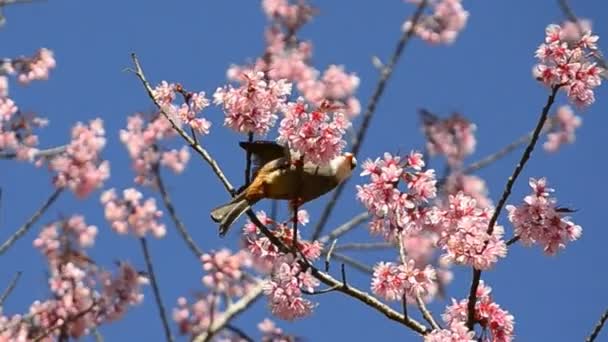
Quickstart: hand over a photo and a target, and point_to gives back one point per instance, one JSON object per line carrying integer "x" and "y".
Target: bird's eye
{"x": 353, "y": 163}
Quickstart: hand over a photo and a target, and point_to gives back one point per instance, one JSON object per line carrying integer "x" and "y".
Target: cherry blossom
{"x": 540, "y": 221}
{"x": 444, "y": 25}
{"x": 187, "y": 113}
{"x": 456, "y": 332}
{"x": 129, "y": 214}
{"x": 470, "y": 185}
{"x": 392, "y": 281}
{"x": 28, "y": 69}
{"x": 452, "y": 137}
{"x": 80, "y": 168}
{"x": 252, "y": 107}
{"x": 565, "y": 123}
{"x": 224, "y": 271}
{"x": 566, "y": 63}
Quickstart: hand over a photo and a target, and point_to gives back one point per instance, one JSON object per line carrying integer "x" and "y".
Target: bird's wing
{"x": 265, "y": 152}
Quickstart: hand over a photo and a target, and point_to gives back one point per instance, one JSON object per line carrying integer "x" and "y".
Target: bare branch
{"x": 346, "y": 227}
{"x": 428, "y": 316}
{"x": 364, "y": 246}
{"x": 503, "y": 199}
{"x": 231, "y": 312}
{"x": 156, "y": 290}
{"x": 386, "y": 73}
{"x": 598, "y": 327}
{"x": 47, "y": 153}
{"x": 181, "y": 228}
{"x": 30, "y": 222}
{"x": 354, "y": 263}
{"x": 11, "y": 286}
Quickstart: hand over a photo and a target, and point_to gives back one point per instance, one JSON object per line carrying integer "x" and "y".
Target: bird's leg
{"x": 299, "y": 164}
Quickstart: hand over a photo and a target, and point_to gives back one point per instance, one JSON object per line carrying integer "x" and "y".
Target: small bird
{"x": 276, "y": 176}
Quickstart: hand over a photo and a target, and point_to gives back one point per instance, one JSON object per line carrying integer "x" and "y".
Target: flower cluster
{"x": 252, "y": 107}
{"x": 272, "y": 333}
{"x": 143, "y": 141}
{"x": 497, "y": 322}
{"x": 224, "y": 272}
{"x": 284, "y": 289}
{"x": 470, "y": 185}
{"x": 443, "y": 26}
{"x": 463, "y": 234}
{"x": 29, "y": 69}
{"x": 565, "y": 62}
{"x": 80, "y": 168}
{"x": 318, "y": 135}
{"x": 456, "y": 332}
{"x": 194, "y": 103}
{"x": 82, "y": 296}
{"x": 392, "y": 209}
{"x": 540, "y": 221}
{"x": 564, "y": 123}
{"x": 130, "y": 214}
{"x": 452, "y": 137}
{"x": 288, "y": 58}
{"x": 17, "y": 130}
{"x": 392, "y": 281}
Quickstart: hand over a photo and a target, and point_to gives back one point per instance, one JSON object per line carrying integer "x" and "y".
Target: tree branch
{"x": 47, "y": 153}
{"x": 156, "y": 290}
{"x": 598, "y": 327}
{"x": 385, "y": 75}
{"x": 11, "y": 286}
{"x": 345, "y": 227}
{"x": 30, "y": 222}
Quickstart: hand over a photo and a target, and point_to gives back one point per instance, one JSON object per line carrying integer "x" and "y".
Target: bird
{"x": 276, "y": 176}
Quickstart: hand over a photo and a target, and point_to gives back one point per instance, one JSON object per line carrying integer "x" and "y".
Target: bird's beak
{"x": 351, "y": 159}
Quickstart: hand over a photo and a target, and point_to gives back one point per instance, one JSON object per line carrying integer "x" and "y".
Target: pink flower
{"x": 196, "y": 318}
{"x": 30, "y": 69}
{"x": 130, "y": 214}
{"x": 456, "y": 332}
{"x": 497, "y": 322}
{"x": 80, "y": 168}
{"x": 564, "y": 125}
{"x": 452, "y": 137}
{"x": 470, "y": 185}
{"x": 564, "y": 61}
{"x": 252, "y": 107}
{"x": 463, "y": 234}
{"x": 194, "y": 103}
{"x": 17, "y": 130}
{"x": 284, "y": 290}
{"x": 272, "y": 333}
{"x": 448, "y": 19}
{"x": 291, "y": 16}
{"x": 143, "y": 139}
{"x": 540, "y": 221}
{"x": 224, "y": 271}
{"x": 317, "y": 136}
{"x": 68, "y": 233}
{"x": 392, "y": 282}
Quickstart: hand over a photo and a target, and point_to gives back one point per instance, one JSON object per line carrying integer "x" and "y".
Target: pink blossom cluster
{"x": 143, "y": 140}
{"x": 393, "y": 209}
{"x": 453, "y": 137}
{"x": 456, "y": 332}
{"x": 130, "y": 214}
{"x": 470, "y": 185}
{"x": 224, "y": 272}
{"x": 393, "y": 281}
{"x": 80, "y": 168}
{"x": 564, "y": 123}
{"x": 252, "y": 107}
{"x": 463, "y": 234}
{"x": 497, "y": 323}
{"x": 285, "y": 289}
{"x": 82, "y": 295}
{"x": 444, "y": 25}
{"x": 194, "y": 319}
{"x": 17, "y": 134}
{"x": 288, "y": 58}
{"x": 540, "y": 221}
{"x": 29, "y": 69}
{"x": 567, "y": 63}
{"x": 272, "y": 333}
{"x": 187, "y": 112}
{"x": 317, "y": 136}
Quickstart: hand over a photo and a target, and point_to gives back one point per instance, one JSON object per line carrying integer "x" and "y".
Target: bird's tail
{"x": 227, "y": 213}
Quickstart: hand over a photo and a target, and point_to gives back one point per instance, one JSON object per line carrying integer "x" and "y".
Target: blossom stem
{"x": 598, "y": 327}
{"x": 30, "y": 222}
{"x": 385, "y": 75}
{"x": 426, "y": 314}
{"x": 11, "y": 286}
{"x": 505, "y": 195}
{"x": 181, "y": 228}
{"x": 156, "y": 289}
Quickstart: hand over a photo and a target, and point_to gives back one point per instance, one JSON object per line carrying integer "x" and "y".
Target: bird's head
{"x": 343, "y": 166}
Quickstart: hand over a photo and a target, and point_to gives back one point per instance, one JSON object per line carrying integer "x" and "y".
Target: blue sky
{"x": 486, "y": 75}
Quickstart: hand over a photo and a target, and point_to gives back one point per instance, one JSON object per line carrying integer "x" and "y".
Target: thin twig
{"x": 598, "y": 327}
{"x": 346, "y": 227}
{"x": 47, "y": 153}
{"x": 181, "y": 228}
{"x": 364, "y": 246}
{"x": 329, "y": 252}
{"x": 385, "y": 75}
{"x": 11, "y": 286}
{"x": 17, "y": 2}
{"x": 354, "y": 263}
{"x": 513, "y": 240}
{"x": 231, "y": 312}
{"x": 156, "y": 290}
{"x": 525, "y": 157}
{"x": 30, "y": 222}
{"x": 242, "y": 335}
{"x": 62, "y": 323}
{"x": 426, "y": 313}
